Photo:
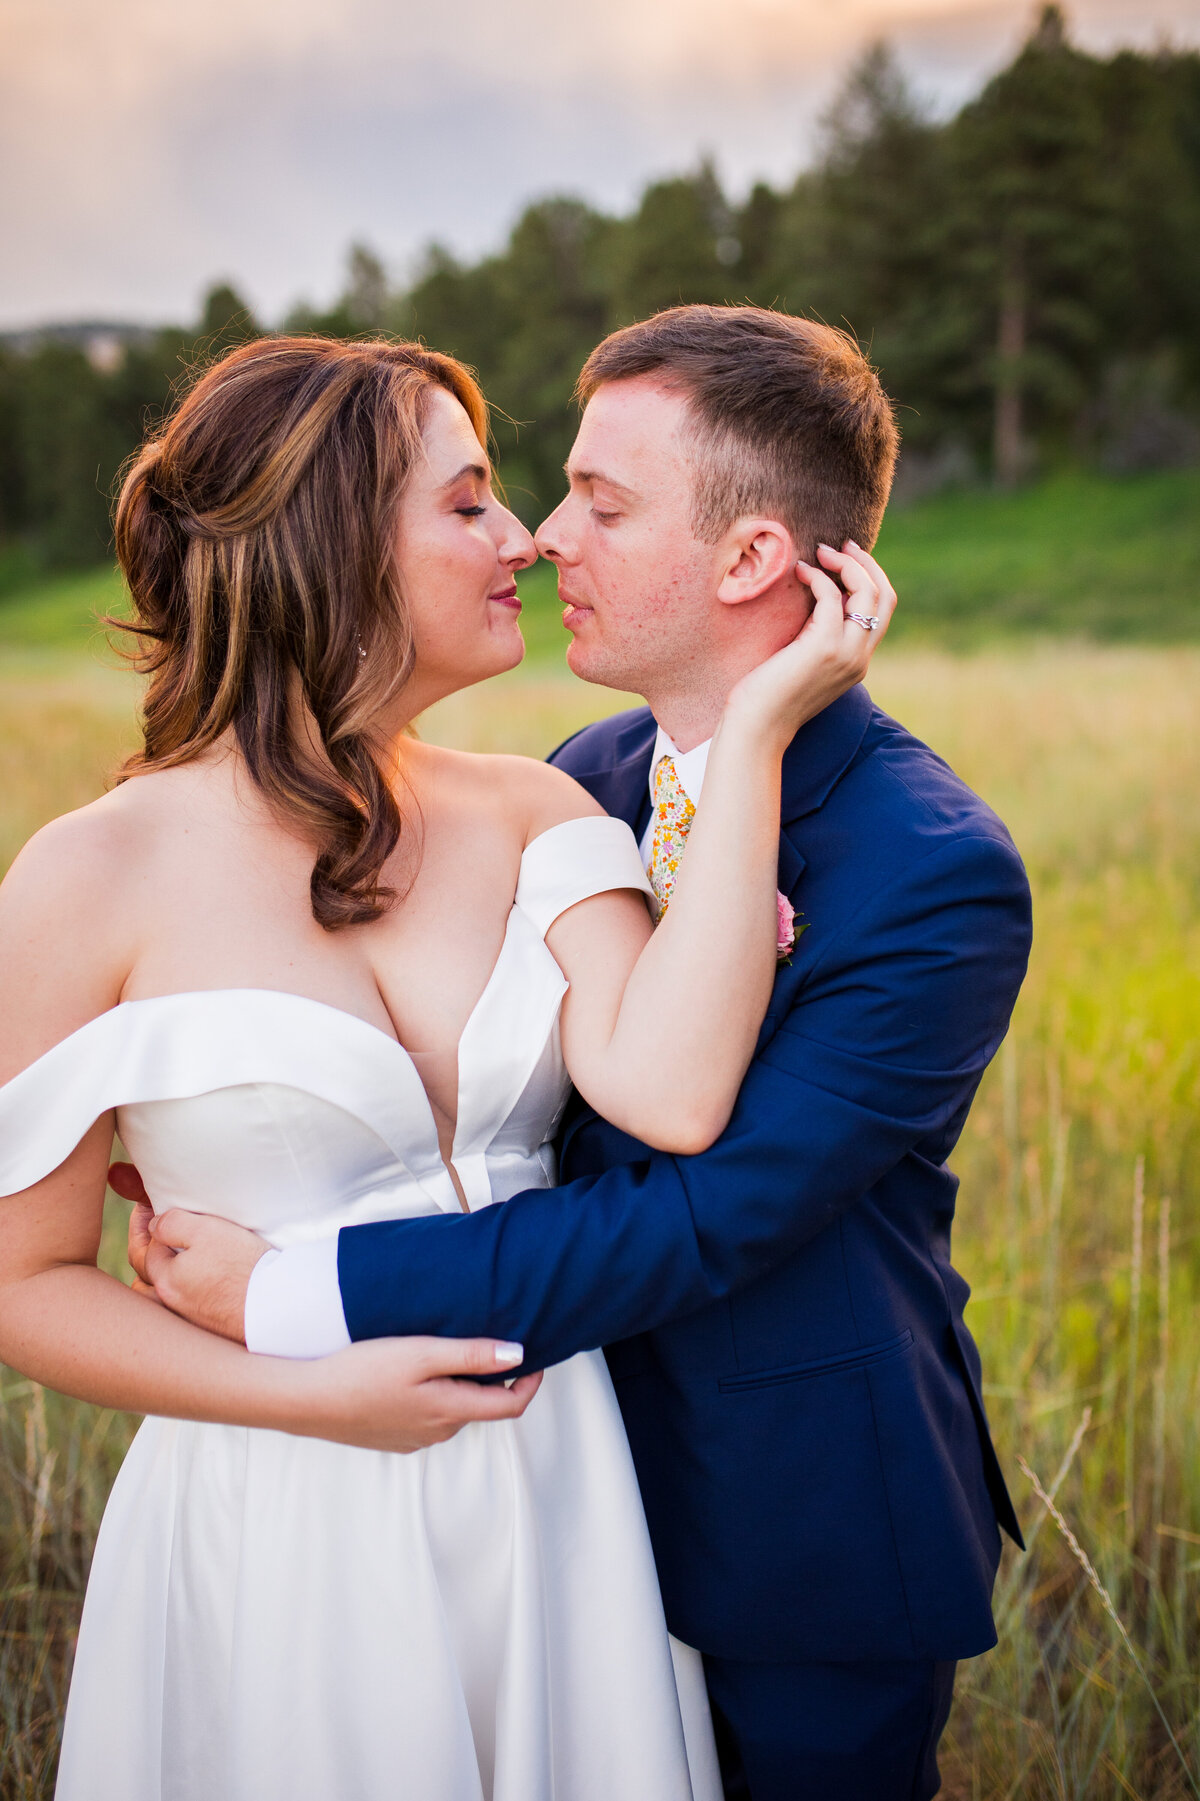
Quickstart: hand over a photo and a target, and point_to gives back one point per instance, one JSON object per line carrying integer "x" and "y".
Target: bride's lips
{"x": 507, "y": 597}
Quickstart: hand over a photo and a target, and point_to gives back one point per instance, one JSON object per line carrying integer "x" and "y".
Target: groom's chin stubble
{"x": 580, "y": 663}
{"x": 584, "y": 663}
{"x": 591, "y": 663}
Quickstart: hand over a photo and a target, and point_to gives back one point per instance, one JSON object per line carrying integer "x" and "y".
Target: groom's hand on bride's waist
{"x": 393, "y": 1394}
{"x": 195, "y": 1264}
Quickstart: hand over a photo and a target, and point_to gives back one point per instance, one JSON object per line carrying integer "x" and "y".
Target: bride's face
{"x": 458, "y": 551}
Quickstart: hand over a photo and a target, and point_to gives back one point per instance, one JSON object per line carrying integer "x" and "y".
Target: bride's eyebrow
{"x": 478, "y": 470}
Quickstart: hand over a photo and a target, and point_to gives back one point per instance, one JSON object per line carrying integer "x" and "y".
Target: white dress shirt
{"x": 294, "y": 1302}
{"x": 689, "y": 767}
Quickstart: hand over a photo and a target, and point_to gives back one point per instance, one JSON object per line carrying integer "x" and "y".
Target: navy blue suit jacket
{"x": 782, "y": 1322}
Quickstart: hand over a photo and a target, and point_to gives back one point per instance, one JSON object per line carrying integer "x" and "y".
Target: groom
{"x": 783, "y": 1324}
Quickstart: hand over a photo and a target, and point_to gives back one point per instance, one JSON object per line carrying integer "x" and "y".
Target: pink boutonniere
{"x": 788, "y": 930}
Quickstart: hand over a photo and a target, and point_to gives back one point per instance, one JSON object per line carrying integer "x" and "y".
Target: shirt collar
{"x": 689, "y": 764}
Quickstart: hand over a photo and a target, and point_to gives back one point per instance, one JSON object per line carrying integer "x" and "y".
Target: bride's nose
{"x": 517, "y": 548}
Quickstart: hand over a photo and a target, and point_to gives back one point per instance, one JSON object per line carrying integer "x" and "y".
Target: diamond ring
{"x": 868, "y": 624}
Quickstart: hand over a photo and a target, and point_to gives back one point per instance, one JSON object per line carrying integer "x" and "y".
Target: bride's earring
{"x": 362, "y": 653}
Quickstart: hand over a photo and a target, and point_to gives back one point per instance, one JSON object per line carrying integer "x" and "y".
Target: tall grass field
{"x": 1080, "y": 1167}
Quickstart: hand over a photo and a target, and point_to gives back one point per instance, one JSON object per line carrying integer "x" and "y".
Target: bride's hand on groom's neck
{"x": 853, "y": 603}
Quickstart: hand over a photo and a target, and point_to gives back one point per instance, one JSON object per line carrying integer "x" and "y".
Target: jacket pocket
{"x": 821, "y": 1366}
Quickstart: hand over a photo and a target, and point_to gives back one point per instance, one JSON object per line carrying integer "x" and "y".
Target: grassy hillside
{"x": 60, "y": 612}
{"x": 1083, "y": 555}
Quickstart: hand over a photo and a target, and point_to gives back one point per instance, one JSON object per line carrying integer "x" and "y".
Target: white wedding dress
{"x": 273, "y": 1618}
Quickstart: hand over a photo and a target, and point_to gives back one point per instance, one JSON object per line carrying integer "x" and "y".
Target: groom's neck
{"x": 688, "y": 701}
{"x": 687, "y": 719}
{"x": 689, "y": 708}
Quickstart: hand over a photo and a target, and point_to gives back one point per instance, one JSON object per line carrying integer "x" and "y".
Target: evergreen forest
{"x": 1025, "y": 274}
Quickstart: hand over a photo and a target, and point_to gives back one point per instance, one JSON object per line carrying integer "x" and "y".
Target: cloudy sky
{"x": 149, "y": 146}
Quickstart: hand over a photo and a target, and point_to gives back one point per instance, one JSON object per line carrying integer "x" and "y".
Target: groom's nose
{"x": 552, "y": 539}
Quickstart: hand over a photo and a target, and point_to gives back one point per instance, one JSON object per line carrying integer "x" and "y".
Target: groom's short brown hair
{"x": 789, "y": 419}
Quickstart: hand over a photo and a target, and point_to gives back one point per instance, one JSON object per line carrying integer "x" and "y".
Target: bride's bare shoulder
{"x": 75, "y": 888}
{"x": 67, "y": 925}
{"x": 95, "y": 849}
{"x": 77, "y": 854}
{"x": 535, "y": 795}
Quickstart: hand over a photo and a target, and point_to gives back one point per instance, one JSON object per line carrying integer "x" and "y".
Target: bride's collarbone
{"x": 416, "y": 972}
{"x": 226, "y": 903}
{"x": 460, "y": 841}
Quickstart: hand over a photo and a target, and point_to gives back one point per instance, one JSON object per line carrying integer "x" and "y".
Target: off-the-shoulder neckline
{"x": 242, "y": 992}
{"x": 245, "y": 992}
{"x": 345, "y": 1012}
{"x": 289, "y": 998}
{"x": 576, "y": 819}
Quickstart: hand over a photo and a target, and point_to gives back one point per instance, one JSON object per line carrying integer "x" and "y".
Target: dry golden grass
{"x": 65, "y": 723}
{"x": 1085, "y": 1296}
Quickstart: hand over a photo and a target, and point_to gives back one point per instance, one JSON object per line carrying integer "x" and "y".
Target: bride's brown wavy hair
{"x": 257, "y": 533}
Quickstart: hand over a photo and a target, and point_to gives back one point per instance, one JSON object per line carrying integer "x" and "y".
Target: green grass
{"x": 60, "y": 612}
{"x": 1115, "y": 558}
{"x": 1082, "y": 1300}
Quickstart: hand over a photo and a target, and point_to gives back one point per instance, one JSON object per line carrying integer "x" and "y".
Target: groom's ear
{"x": 755, "y": 555}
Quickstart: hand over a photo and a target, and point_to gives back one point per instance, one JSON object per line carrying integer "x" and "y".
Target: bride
{"x": 316, "y": 972}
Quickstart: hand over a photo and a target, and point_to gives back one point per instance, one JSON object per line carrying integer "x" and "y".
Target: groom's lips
{"x": 574, "y": 613}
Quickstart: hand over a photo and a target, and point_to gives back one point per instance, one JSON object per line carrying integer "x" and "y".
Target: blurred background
{"x": 1003, "y": 204}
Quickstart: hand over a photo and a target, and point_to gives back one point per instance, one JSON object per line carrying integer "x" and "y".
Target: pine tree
{"x": 1036, "y": 227}
{"x": 680, "y": 245}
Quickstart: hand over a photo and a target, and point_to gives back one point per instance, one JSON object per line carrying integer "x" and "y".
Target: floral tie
{"x": 673, "y": 816}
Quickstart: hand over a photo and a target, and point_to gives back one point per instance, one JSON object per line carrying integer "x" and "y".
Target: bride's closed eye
{"x": 471, "y": 512}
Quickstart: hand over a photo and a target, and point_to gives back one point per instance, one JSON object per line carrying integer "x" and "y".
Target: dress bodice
{"x": 295, "y": 1118}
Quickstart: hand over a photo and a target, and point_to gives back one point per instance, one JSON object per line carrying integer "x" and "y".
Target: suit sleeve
{"x": 881, "y": 1052}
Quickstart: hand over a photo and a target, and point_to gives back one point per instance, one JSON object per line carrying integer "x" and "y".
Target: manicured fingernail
{"x": 510, "y": 1354}
{"x": 850, "y": 544}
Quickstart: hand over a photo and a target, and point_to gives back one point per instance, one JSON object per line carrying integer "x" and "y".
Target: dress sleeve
{"x": 575, "y": 860}
{"x": 49, "y": 1106}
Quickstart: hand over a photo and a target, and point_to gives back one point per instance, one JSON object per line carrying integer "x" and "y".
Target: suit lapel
{"x": 819, "y": 754}
{"x": 622, "y": 784}
{"x": 791, "y": 864}
{"x": 815, "y": 761}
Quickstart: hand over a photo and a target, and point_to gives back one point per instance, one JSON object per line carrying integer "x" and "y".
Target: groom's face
{"x": 638, "y": 587}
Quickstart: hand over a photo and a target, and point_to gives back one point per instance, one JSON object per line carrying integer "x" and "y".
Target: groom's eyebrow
{"x": 597, "y": 475}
